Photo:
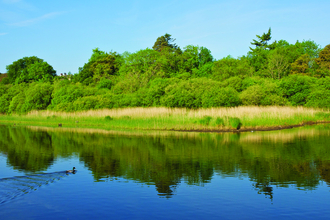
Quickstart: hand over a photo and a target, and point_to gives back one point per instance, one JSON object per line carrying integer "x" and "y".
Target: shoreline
{"x": 238, "y": 119}
{"x": 270, "y": 128}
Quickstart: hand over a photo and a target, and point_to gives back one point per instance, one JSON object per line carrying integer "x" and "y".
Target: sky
{"x": 64, "y": 33}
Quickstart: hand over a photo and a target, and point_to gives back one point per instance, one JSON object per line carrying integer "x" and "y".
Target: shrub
{"x": 108, "y": 118}
{"x": 219, "y": 121}
{"x": 235, "y": 122}
{"x": 296, "y": 88}
{"x": 205, "y": 120}
{"x": 38, "y": 96}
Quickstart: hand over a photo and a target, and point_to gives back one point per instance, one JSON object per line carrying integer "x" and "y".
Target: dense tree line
{"x": 271, "y": 73}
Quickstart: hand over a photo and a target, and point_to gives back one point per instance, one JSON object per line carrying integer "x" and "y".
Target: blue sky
{"x": 63, "y": 33}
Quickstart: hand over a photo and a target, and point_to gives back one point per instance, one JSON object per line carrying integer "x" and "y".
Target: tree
{"x": 277, "y": 64}
{"x": 262, "y": 41}
{"x": 100, "y": 64}
{"x": 324, "y": 61}
{"x": 258, "y": 55}
{"x": 30, "y": 69}
{"x": 165, "y": 41}
{"x": 300, "y": 65}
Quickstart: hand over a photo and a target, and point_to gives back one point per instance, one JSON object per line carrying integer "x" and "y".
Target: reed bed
{"x": 152, "y": 112}
{"x": 161, "y": 118}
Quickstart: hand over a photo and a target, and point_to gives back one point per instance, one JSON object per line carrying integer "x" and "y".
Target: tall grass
{"x": 159, "y": 118}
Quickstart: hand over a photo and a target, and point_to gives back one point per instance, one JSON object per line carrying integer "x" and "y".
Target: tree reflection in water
{"x": 298, "y": 157}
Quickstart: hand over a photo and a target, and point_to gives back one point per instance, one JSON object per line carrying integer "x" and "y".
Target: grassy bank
{"x": 212, "y": 119}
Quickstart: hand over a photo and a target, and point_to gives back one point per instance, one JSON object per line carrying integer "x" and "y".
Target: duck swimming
{"x": 71, "y": 171}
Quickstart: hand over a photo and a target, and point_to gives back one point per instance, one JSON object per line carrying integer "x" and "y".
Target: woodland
{"x": 273, "y": 73}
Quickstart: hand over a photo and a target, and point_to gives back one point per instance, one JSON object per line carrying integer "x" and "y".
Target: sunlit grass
{"x": 159, "y": 118}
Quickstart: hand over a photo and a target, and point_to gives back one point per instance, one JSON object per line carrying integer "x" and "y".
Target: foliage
{"x": 163, "y": 42}
{"x": 296, "y": 88}
{"x": 324, "y": 61}
{"x": 230, "y": 67}
{"x": 277, "y": 73}
{"x": 30, "y": 69}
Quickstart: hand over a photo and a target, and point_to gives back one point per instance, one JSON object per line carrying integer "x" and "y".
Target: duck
{"x": 71, "y": 171}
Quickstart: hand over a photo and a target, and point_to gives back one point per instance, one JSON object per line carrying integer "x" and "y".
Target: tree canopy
{"x": 278, "y": 73}
{"x": 30, "y": 69}
{"x": 165, "y": 41}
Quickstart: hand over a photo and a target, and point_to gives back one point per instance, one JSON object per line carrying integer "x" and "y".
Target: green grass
{"x": 221, "y": 119}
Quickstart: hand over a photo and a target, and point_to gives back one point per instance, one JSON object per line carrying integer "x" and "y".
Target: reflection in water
{"x": 11, "y": 188}
{"x": 298, "y": 157}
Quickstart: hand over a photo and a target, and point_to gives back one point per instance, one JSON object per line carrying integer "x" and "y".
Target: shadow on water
{"x": 298, "y": 157}
{"x": 14, "y": 187}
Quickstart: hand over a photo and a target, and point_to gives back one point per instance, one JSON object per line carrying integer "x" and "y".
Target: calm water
{"x": 158, "y": 175}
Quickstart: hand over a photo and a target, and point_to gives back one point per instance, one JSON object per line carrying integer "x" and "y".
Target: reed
{"x": 160, "y": 118}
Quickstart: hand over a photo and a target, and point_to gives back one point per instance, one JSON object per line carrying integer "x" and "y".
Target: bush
{"x": 296, "y": 88}
{"x": 108, "y": 118}
{"x": 205, "y": 120}
{"x": 216, "y": 97}
{"x": 235, "y": 122}
{"x": 105, "y": 84}
{"x": 219, "y": 121}
{"x": 38, "y": 96}
{"x": 319, "y": 99}
{"x": 252, "y": 95}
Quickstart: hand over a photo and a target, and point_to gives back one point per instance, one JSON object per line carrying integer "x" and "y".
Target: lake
{"x": 164, "y": 175}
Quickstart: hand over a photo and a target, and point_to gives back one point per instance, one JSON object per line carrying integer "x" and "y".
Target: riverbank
{"x": 179, "y": 119}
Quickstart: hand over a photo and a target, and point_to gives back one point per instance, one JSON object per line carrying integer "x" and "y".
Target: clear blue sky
{"x": 63, "y": 33}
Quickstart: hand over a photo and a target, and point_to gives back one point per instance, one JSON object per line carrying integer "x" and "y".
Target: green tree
{"x": 30, "y": 69}
{"x": 323, "y": 61}
{"x": 165, "y": 41}
{"x": 262, "y": 41}
{"x": 230, "y": 67}
{"x": 100, "y": 65}
{"x": 277, "y": 64}
{"x": 300, "y": 66}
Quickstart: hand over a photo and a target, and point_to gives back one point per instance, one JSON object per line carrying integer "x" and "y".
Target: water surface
{"x": 164, "y": 175}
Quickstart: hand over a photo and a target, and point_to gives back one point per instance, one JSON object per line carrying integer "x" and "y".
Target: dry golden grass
{"x": 152, "y": 112}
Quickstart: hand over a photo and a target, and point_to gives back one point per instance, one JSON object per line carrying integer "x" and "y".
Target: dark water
{"x": 157, "y": 175}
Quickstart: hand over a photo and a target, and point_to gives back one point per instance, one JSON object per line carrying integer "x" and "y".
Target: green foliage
{"x": 100, "y": 65}
{"x": 234, "y": 82}
{"x": 66, "y": 93}
{"x": 262, "y": 41}
{"x": 235, "y": 122}
{"x": 205, "y": 120}
{"x": 262, "y": 92}
{"x": 296, "y": 88}
{"x": 171, "y": 77}
{"x": 105, "y": 84}
{"x": 85, "y": 103}
{"x": 323, "y": 61}
{"x": 164, "y": 41}
{"x": 319, "y": 99}
{"x": 199, "y": 93}
{"x": 4, "y": 81}
{"x": 108, "y": 118}
{"x": 252, "y": 95}
{"x": 156, "y": 91}
{"x": 30, "y": 69}
{"x": 230, "y": 67}
{"x": 300, "y": 66}
{"x": 219, "y": 121}
{"x": 278, "y": 65}
{"x": 38, "y": 96}
{"x": 9, "y": 92}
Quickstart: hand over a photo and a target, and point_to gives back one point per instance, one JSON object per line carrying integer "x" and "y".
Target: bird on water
{"x": 71, "y": 171}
